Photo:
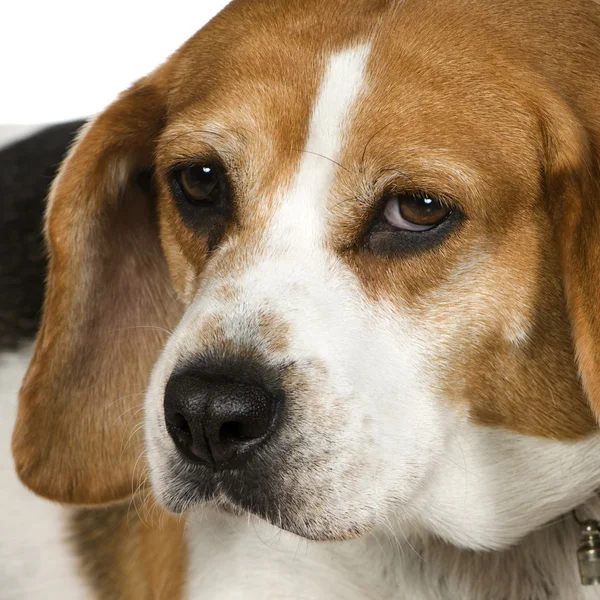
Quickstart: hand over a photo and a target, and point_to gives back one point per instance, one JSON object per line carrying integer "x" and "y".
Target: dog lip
{"x": 223, "y": 489}
{"x": 234, "y": 463}
{"x": 193, "y": 483}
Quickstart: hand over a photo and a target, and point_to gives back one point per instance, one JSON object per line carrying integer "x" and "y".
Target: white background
{"x": 63, "y": 59}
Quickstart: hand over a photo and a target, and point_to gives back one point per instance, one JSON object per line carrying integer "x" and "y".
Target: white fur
{"x": 247, "y": 559}
{"x": 493, "y": 487}
{"x": 302, "y": 213}
{"x": 234, "y": 558}
{"x": 35, "y": 558}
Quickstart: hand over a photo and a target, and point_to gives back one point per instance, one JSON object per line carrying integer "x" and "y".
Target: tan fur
{"x": 274, "y": 331}
{"x": 107, "y": 312}
{"x": 131, "y": 553}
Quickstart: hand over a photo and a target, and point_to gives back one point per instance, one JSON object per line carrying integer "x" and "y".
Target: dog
{"x": 322, "y": 315}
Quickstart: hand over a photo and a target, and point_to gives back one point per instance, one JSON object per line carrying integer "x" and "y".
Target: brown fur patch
{"x": 129, "y": 555}
{"x": 274, "y": 331}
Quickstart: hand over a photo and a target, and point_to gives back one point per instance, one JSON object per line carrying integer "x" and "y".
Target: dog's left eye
{"x": 415, "y": 212}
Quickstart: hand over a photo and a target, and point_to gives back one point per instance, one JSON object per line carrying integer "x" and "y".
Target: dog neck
{"x": 542, "y": 566}
{"x": 386, "y": 564}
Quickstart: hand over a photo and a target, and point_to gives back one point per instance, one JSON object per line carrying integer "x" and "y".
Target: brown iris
{"x": 200, "y": 184}
{"x": 413, "y": 212}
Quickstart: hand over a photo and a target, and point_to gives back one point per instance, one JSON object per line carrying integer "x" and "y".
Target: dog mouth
{"x": 240, "y": 443}
{"x": 260, "y": 493}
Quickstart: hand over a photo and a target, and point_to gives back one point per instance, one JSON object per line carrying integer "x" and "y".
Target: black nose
{"x": 216, "y": 420}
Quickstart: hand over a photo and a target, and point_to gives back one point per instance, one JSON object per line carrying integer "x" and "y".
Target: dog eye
{"x": 201, "y": 184}
{"x": 412, "y": 212}
{"x": 412, "y": 223}
{"x": 202, "y": 193}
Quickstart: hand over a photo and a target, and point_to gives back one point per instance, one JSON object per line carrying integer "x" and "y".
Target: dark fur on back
{"x": 27, "y": 169}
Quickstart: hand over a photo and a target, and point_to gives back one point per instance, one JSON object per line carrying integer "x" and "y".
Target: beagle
{"x": 322, "y": 316}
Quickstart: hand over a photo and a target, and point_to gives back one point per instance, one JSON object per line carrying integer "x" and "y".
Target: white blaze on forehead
{"x": 339, "y": 91}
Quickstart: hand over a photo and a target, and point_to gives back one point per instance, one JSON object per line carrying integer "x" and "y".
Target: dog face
{"x": 368, "y": 240}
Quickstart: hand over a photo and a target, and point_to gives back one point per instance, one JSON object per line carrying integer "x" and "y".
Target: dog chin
{"x": 298, "y": 521}
{"x": 317, "y": 529}
{"x": 320, "y": 529}
{"x": 324, "y": 532}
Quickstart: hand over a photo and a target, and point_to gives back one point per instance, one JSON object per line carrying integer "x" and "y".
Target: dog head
{"x": 344, "y": 237}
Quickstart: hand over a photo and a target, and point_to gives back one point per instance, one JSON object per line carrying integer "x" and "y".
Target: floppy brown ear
{"x": 573, "y": 192}
{"x": 108, "y": 299}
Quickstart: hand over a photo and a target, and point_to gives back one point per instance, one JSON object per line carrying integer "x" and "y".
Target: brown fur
{"x": 274, "y": 331}
{"x": 130, "y": 553}
{"x": 108, "y": 304}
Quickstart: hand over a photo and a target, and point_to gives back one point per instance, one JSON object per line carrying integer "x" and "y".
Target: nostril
{"x": 232, "y": 431}
{"x": 188, "y": 437}
{"x": 179, "y": 422}
{"x": 237, "y": 431}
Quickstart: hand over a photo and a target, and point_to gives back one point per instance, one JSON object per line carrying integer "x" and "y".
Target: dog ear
{"x": 108, "y": 304}
{"x": 572, "y": 186}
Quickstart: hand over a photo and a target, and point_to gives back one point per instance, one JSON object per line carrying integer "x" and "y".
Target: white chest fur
{"x": 237, "y": 558}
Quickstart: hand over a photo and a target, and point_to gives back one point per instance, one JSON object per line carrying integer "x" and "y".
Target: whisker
{"x": 125, "y": 398}
{"x": 135, "y": 491}
{"x": 139, "y": 410}
{"x": 364, "y": 154}
{"x": 322, "y": 156}
{"x": 409, "y": 544}
{"x": 157, "y": 327}
{"x": 131, "y": 437}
